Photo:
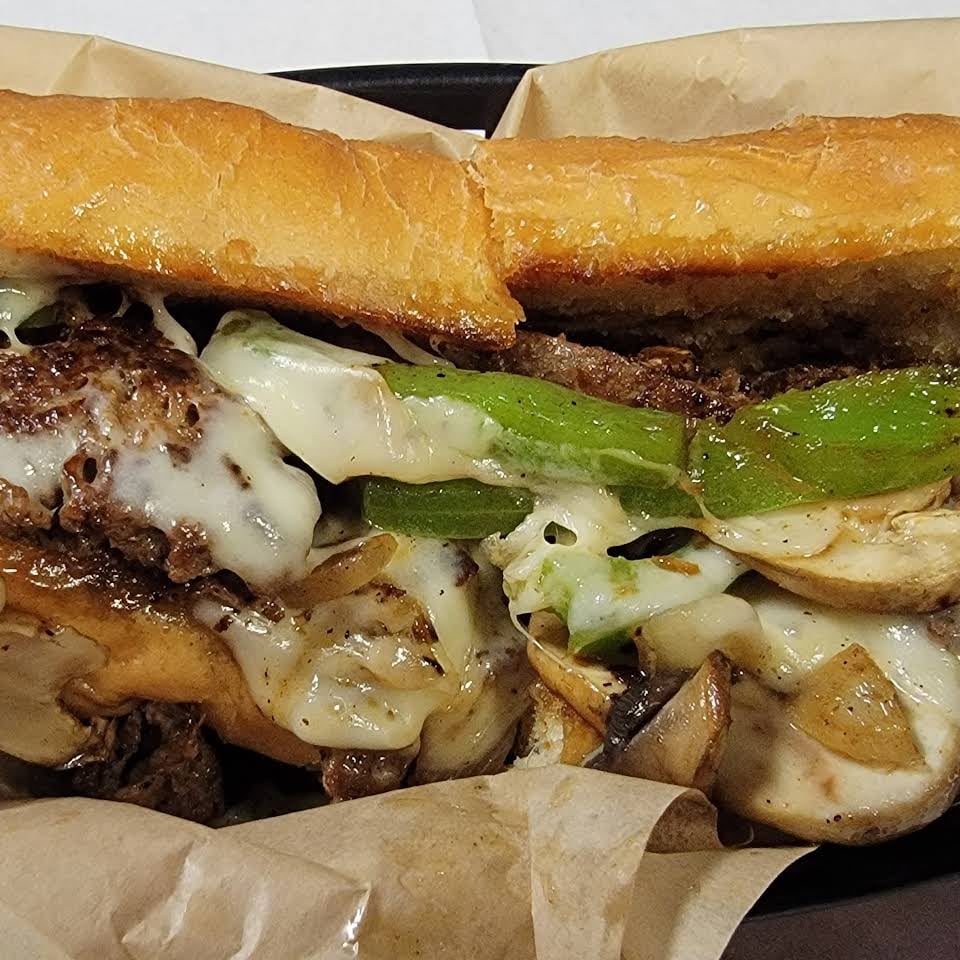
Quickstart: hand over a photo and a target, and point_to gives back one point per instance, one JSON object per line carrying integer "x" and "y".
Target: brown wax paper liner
{"x": 92, "y": 880}
{"x": 542, "y": 863}
{"x": 551, "y": 863}
{"x": 41, "y": 62}
{"x": 742, "y": 80}
{"x": 548, "y": 863}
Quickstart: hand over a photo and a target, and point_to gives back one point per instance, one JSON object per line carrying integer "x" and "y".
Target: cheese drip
{"x": 260, "y": 526}
{"x": 335, "y": 411}
{"x": 365, "y": 671}
{"x": 19, "y": 300}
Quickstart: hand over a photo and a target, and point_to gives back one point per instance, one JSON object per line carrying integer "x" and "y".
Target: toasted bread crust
{"x": 817, "y": 193}
{"x": 797, "y": 218}
{"x": 218, "y": 199}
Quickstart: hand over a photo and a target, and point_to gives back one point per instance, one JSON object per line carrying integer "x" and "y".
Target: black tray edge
{"x": 468, "y": 96}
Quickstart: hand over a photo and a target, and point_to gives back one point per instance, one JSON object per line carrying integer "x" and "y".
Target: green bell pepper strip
{"x": 603, "y": 600}
{"x": 850, "y": 438}
{"x": 470, "y": 510}
{"x": 448, "y": 510}
{"x": 657, "y": 501}
{"x": 553, "y": 433}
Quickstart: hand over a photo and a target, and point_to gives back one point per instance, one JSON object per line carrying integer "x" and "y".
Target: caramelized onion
{"x": 341, "y": 574}
{"x": 587, "y": 686}
{"x": 852, "y": 708}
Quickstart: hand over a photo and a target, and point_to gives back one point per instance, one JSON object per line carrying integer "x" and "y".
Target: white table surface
{"x": 289, "y": 34}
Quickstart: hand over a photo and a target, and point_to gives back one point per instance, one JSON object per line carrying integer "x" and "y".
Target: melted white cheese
{"x": 332, "y": 408}
{"x": 165, "y": 322}
{"x": 781, "y": 638}
{"x": 429, "y": 570}
{"x": 408, "y": 351}
{"x": 796, "y": 532}
{"x": 811, "y": 529}
{"x": 351, "y": 675}
{"x": 20, "y": 299}
{"x": 802, "y": 635}
{"x": 262, "y": 528}
{"x": 34, "y": 460}
{"x": 337, "y": 680}
{"x": 560, "y": 552}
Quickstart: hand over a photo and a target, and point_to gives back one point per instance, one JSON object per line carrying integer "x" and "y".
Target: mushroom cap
{"x": 774, "y": 773}
{"x": 684, "y": 741}
{"x": 892, "y": 552}
{"x": 35, "y": 663}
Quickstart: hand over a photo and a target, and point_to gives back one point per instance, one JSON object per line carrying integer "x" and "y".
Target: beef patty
{"x": 111, "y": 433}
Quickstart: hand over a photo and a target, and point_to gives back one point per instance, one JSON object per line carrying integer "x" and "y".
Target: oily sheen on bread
{"x": 837, "y": 225}
{"x": 222, "y": 200}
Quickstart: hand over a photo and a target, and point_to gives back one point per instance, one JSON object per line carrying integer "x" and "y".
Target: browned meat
{"x": 112, "y": 434}
{"x": 666, "y": 378}
{"x": 803, "y": 377}
{"x": 18, "y": 513}
{"x": 663, "y": 377}
{"x": 105, "y": 378}
{"x": 349, "y": 774}
{"x": 156, "y": 756}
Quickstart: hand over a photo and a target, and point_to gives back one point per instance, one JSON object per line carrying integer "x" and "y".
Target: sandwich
{"x": 328, "y": 467}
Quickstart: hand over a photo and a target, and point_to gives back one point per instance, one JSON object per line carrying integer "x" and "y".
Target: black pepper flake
{"x": 434, "y": 664}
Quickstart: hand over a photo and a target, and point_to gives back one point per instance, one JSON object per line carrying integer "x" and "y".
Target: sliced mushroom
{"x": 554, "y": 733}
{"x": 684, "y": 742}
{"x": 893, "y": 552}
{"x": 684, "y": 636}
{"x": 474, "y": 734}
{"x": 35, "y": 663}
{"x": 774, "y": 773}
{"x": 646, "y": 694}
{"x": 587, "y": 686}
